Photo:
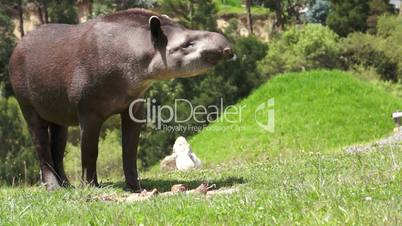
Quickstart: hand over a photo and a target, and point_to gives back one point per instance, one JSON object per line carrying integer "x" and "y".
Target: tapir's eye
{"x": 187, "y": 45}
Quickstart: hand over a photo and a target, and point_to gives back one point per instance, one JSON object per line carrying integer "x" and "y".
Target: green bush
{"x": 392, "y": 43}
{"x": 18, "y": 160}
{"x": 63, "y": 11}
{"x": 382, "y": 51}
{"x": 298, "y": 49}
{"x": 368, "y": 51}
{"x": 387, "y": 25}
{"x": 7, "y": 43}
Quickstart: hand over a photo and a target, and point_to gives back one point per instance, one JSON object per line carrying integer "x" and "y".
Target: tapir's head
{"x": 166, "y": 48}
{"x": 181, "y": 52}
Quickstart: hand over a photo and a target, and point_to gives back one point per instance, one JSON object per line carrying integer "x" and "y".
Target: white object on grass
{"x": 185, "y": 158}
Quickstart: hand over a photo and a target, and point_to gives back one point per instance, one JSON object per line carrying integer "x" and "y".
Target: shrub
{"x": 387, "y": 25}
{"x": 18, "y": 160}
{"x": 304, "y": 48}
{"x": 7, "y": 43}
{"x": 364, "y": 49}
{"x": 390, "y": 28}
{"x": 382, "y": 51}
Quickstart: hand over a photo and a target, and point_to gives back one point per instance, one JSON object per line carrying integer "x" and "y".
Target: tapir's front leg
{"x": 90, "y": 128}
{"x": 130, "y": 138}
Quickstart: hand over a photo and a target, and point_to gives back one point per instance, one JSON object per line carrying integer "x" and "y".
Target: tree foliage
{"x": 318, "y": 11}
{"x": 347, "y": 16}
{"x": 18, "y": 160}
{"x": 200, "y": 14}
{"x": 7, "y": 43}
{"x": 102, "y": 7}
{"x": 298, "y": 49}
{"x": 382, "y": 52}
{"x": 377, "y": 8}
{"x": 62, "y": 11}
{"x": 287, "y": 11}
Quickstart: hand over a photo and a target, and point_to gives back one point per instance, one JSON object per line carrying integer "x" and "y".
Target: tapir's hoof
{"x": 66, "y": 184}
{"x": 50, "y": 181}
{"x": 135, "y": 189}
{"x": 52, "y": 185}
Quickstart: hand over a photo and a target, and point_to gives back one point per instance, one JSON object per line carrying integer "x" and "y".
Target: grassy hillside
{"x": 296, "y": 175}
{"x": 319, "y": 111}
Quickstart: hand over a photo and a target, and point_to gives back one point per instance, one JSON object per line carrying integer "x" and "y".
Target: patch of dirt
{"x": 394, "y": 140}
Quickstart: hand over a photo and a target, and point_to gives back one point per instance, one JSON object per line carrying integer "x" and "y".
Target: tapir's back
{"x": 42, "y": 67}
{"x": 46, "y": 52}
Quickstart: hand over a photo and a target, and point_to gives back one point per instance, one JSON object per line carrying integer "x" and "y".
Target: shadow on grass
{"x": 165, "y": 185}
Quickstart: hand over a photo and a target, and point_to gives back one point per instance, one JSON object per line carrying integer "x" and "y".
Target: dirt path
{"x": 395, "y": 140}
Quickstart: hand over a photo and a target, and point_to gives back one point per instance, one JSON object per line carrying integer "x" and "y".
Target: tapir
{"x": 66, "y": 75}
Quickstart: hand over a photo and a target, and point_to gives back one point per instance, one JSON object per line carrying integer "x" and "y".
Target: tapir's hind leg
{"x": 39, "y": 130}
{"x": 58, "y": 140}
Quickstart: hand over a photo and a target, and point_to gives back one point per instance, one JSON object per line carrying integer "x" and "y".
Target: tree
{"x": 347, "y": 16}
{"x": 286, "y": 11}
{"x": 84, "y": 10}
{"x": 318, "y": 11}
{"x": 43, "y": 15}
{"x": 277, "y": 7}
{"x": 62, "y": 11}
{"x": 377, "y": 8}
{"x": 200, "y": 14}
{"x": 46, "y": 13}
{"x": 21, "y": 17}
{"x": 249, "y": 18}
{"x": 400, "y": 7}
{"x": 7, "y": 43}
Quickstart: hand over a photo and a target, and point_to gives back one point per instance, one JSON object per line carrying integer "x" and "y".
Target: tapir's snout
{"x": 228, "y": 53}
{"x": 217, "y": 49}
{"x": 214, "y": 56}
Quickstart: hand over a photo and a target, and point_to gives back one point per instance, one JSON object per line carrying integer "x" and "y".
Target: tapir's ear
{"x": 155, "y": 27}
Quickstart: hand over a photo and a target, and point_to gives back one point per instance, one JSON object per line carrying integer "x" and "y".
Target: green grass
{"x": 318, "y": 111}
{"x": 296, "y": 175}
{"x": 304, "y": 188}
